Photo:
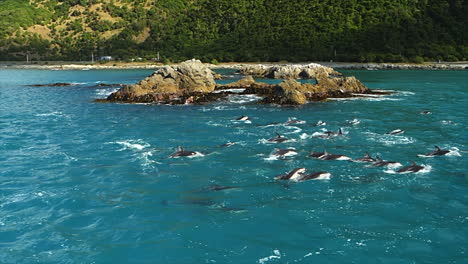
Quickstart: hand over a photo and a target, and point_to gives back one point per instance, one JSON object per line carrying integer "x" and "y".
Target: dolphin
{"x": 366, "y": 158}
{"x": 385, "y": 163}
{"x": 277, "y": 139}
{"x": 329, "y": 156}
{"x": 410, "y": 168}
{"x": 294, "y": 121}
{"x": 437, "y": 152}
{"x": 321, "y": 123}
{"x": 314, "y": 154}
{"x": 354, "y": 122}
{"x": 395, "y": 132}
{"x": 293, "y": 175}
{"x": 426, "y": 112}
{"x": 321, "y": 175}
{"x": 183, "y": 153}
{"x": 329, "y": 134}
{"x": 285, "y": 152}
{"x": 226, "y": 145}
{"x": 243, "y": 118}
{"x": 216, "y": 188}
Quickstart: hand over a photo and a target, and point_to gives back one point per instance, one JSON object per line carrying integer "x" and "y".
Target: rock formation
{"x": 190, "y": 78}
{"x": 308, "y": 71}
{"x": 193, "y": 83}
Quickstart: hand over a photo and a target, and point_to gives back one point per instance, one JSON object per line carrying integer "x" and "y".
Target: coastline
{"x": 234, "y": 65}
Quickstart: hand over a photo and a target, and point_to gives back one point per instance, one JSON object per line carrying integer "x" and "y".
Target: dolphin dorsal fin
{"x": 378, "y": 158}
{"x": 367, "y": 155}
{"x": 437, "y": 148}
{"x": 179, "y": 148}
{"x": 278, "y": 134}
{"x": 413, "y": 163}
{"x": 340, "y": 132}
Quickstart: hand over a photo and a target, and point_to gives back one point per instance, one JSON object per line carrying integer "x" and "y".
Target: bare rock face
{"x": 343, "y": 84}
{"x": 242, "y": 83}
{"x": 292, "y": 92}
{"x": 309, "y": 71}
{"x": 168, "y": 83}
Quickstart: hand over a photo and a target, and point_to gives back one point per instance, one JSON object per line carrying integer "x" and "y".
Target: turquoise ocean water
{"x": 84, "y": 182}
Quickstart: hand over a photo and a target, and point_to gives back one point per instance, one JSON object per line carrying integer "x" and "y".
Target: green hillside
{"x": 236, "y": 30}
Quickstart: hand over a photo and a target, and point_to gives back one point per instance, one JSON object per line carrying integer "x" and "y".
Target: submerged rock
{"x": 52, "y": 84}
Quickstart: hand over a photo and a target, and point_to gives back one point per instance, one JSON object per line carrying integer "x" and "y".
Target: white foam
{"x": 271, "y": 157}
{"x": 318, "y": 134}
{"x": 389, "y": 140}
{"x": 374, "y": 99}
{"x": 294, "y": 128}
{"x": 454, "y": 152}
{"x": 245, "y": 98}
{"x": 447, "y": 122}
{"x": 406, "y": 93}
{"x": 132, "y": 144}
{"x": 105, "y": 92}
{"x": 51, "y": 114}
{"x": 277, "y": 255}
{"x": 230, "y": 90}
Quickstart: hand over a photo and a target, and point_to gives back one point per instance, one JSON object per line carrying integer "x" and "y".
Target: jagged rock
{"x": 169, "y": 83}
{"x": 309, "y": 71}
{"x": 342, "y": 84}
{"x": 291, "y": 92}
{"x": 242, "y": 83}
{"x": 193, "y": 83}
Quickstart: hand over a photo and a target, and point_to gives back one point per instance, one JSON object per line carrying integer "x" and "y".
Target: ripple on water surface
{"x": 83, "y": 182}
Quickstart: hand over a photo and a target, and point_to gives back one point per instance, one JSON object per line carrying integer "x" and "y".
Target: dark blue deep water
{"x": 85, "y": 182}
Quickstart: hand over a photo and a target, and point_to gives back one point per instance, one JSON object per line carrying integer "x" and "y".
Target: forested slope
{"x": 236, "y": 30}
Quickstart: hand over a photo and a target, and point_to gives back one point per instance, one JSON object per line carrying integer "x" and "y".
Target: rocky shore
{"x": 238, "y": 66}
{"x": 192, "y": 82}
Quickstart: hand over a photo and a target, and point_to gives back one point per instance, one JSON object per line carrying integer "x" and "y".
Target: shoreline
{"x": 235, "y": 65}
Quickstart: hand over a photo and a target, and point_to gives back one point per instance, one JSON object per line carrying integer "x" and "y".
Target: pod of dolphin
{"x": 300, "y": 174}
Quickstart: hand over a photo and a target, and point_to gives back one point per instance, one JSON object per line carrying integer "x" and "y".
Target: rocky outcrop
{"x": 308, "y": 71}
{"x": 193, "y": 83}
{"x": 169, "y": 84}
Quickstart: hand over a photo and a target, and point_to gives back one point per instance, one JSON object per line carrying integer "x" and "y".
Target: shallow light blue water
{"x": 84, "y": 182}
